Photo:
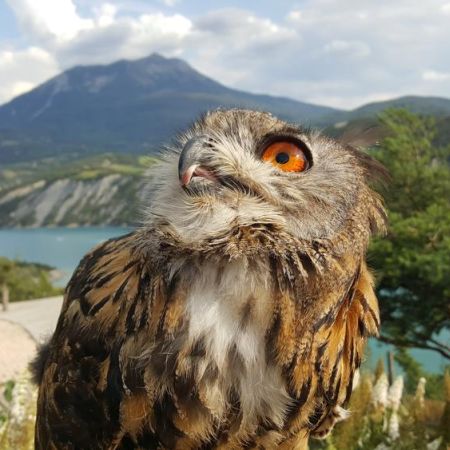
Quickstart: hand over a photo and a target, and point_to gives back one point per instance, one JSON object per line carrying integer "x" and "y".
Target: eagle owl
{"x": 236, "y": 316}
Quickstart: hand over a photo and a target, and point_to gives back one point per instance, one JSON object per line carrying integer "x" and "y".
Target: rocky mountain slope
{"x": 97, "y": 191}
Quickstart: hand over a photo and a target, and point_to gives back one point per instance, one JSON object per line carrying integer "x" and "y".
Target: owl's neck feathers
{"x": 252, "y": 330}
{"x": 241, "y": 238}
{"x": 258, "y": 302}
{"x": 270, "y": 240}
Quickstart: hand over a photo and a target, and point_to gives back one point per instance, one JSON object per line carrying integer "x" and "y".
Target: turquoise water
{"x": 63, "y": 248}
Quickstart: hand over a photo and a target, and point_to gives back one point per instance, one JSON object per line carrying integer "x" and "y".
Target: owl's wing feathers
{"x": 339, "y": 348}
{"x": 81, "y": 385}
{"x": 115, "y": 309}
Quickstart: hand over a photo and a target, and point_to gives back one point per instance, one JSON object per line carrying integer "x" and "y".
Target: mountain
{"x": 129, "y": 106}
{"x": 361, "y": 126}
{"x": 433, "y": 106}
{"x": 134, "y": 106}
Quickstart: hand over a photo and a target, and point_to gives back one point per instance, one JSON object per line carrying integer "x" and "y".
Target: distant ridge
{"x": 134, "y": 106}
{"x": 124, "y": 106}
{"x": 433, "y": 106}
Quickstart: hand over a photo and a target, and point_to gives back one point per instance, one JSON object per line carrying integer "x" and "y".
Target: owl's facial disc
{"x": 242, "y": 168}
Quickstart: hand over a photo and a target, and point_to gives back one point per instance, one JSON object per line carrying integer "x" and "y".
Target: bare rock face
{"x": 108, "y": 200}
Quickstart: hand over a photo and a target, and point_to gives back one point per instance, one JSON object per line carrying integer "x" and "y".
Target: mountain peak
{"x": 129, "y": 105}
{"x": 152, "y": 59}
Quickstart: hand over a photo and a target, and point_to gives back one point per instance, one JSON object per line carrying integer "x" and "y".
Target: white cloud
{"x": 177, "y": 24}
{"x": 127, "y": 38}
{"x": 23, "y": 70}
{"x": 335, "y": 52}
{"x": 343, "y": 101}
{"x": 434, "y": 75}
{"x": 242, "y": 49}
{"x": 295, "y": 16}
{"x": 106, "y": 14}
{"x": 50, "y": 18}
{"x": 350, "y": 48}
{"x": 20, "y": 87}
{"x": 170, "y": 3}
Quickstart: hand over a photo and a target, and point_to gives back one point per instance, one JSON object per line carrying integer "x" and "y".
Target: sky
{"x": 341, "y": 53}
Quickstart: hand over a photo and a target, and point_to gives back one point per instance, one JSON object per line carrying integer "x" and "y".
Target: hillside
{"x": 105, "y": 189}
{"x": 127, "y": 106}
{"x": 362, "y": 128}
{"x": 135, "y": 106}
{"x": 28, "y": 280}
{"x": 431, "y": 106}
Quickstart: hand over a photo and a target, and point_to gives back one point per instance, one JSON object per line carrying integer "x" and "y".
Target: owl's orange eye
{"x": 285, "y": 155}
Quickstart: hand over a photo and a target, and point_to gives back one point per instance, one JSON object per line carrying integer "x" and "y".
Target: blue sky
{"x": 341, "y": 53}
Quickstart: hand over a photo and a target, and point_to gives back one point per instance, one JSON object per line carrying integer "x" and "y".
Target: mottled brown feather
{"x": 133, "y": 362}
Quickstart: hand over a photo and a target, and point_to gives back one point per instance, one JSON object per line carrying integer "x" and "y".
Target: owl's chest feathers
{"x": 228, "y": 311}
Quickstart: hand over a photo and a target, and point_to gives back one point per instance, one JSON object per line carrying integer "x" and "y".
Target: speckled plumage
{"x": 234, "y": 318}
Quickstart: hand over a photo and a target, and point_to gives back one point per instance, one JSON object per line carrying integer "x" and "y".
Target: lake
{"x": 63, "y": 248}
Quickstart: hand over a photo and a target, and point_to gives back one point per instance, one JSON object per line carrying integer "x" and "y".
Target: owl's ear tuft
{"x": 376, "y": 173}
{"x": 377, "y": 178}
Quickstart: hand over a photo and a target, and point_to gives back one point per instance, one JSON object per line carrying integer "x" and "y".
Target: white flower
{"x": 394, "y": 426}
{"x": 434, "y": 445}
{"x": 380, "y": 391}
{"x": 395, "y": 393}
{"x": 420, "y": 391}
{"x": 382, "y": 447}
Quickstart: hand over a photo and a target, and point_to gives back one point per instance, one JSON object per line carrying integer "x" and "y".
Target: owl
{"x": 235, "y": 316}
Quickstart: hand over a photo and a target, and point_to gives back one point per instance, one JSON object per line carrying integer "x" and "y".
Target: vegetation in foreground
{"x": 18, "y": 414}
{"x": 399, "y": 416}
{"x": 393, "y": 417}
{"x": 24, "y": 281}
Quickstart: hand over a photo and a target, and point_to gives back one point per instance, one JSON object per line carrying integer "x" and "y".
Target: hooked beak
{"x": 191, "y": 157}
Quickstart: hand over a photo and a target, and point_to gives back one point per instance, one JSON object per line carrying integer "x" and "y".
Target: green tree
{"x": 413, "y": 260}
{"x": 26, "y": 280}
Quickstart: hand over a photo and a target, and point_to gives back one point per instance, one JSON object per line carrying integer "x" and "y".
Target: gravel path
{"x": 17, "y": 348}
{"x": 37, "y": 316}
{"x": 25, "y": 324}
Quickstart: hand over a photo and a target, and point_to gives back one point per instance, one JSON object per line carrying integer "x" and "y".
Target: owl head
{"x": 237, "y": 169}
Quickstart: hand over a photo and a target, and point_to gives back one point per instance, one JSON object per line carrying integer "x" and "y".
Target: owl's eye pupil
{"x": 282, "y": 158}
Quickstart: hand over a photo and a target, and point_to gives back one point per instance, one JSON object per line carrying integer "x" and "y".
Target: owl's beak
{"x": 191, "y": 158}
